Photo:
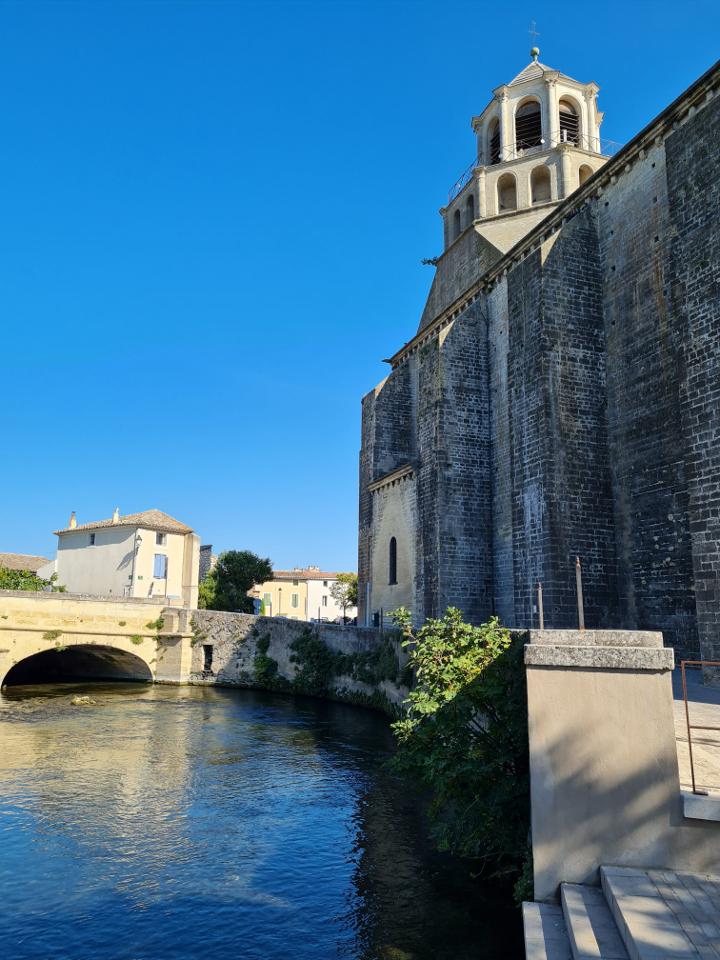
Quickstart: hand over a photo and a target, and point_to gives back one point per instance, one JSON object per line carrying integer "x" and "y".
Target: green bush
{"x": 464, "y": 736}
{"x": 264, "y": 667}
{"x": 318, "y": 664}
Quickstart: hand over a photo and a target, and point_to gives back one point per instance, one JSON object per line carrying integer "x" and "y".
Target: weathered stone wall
{"x": 236, "y": 642}
{"x": 571, "y": 405}
{"x": 464, "y": 504}
{"x": 462, "y": 264}
{"x": 693, "y": 281}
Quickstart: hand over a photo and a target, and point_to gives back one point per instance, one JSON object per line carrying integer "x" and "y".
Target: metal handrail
{"x": 694, "y": 726}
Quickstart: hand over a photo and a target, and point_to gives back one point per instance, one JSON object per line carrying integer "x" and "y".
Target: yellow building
{"x": 302, "y": 593}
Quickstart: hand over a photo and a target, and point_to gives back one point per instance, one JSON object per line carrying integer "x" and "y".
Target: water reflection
{"x": 167, "y": 822}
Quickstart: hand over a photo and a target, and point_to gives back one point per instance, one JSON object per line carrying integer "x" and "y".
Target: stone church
{"x": 561, "y": 397}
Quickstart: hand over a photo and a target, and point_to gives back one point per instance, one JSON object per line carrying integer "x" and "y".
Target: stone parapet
{"x": 596, "y": 638}
{"x": 599, "y": 657}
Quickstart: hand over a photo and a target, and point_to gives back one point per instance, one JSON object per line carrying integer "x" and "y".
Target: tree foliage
{"x": 464, "y": 736}
{"x": 345, "y": 591}
{"x": 27, "y": 580}
{"x": 226, "y": 586}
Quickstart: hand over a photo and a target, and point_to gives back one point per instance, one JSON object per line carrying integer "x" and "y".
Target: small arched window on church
{"x": 392, "y": 561}
{"x": 469, "y": 210}
{"x": 457, "y": 225}
{"x": 569, "y": 122}
{"x": 494, "y": 141}
{"x": 507, "y": 193}
{"x": 584, "y": 173}
{"x": 528, "y": 126}
{"x": 540, "y": 184}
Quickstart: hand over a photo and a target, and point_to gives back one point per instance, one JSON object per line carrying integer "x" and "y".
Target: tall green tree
{"x": 345, "y": 591}
{"x": 226, "y": 586}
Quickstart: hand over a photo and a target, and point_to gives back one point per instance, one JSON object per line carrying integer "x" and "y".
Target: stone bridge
{"x": 57, "y": 636}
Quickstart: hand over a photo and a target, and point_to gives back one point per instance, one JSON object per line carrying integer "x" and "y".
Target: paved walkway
{"x": 704, "y": 705}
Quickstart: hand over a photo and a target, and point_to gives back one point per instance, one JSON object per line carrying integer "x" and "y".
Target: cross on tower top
{"x": 535, "y": 52}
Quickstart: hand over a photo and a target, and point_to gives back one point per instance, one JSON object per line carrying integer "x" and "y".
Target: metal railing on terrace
{"x": 606, "y": 148}
{"x": 703, "y": 664}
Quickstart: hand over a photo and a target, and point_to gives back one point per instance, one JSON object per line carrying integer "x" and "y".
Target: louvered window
{"x": 495, "y": 143}
{"x": 569, "y": 123}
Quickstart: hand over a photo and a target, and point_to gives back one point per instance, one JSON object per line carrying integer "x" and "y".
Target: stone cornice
{"x": 656, "y": 131}
{"x": 402, "y": 473}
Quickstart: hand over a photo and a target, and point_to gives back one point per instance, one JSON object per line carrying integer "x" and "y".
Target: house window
{"x": 295, "y": 583}
{"x": 325, "y": 583}
{"x": 392, "y": 561}
{"x": 92, "y": 539}
{"x": 160, "y": 539}
{"x": 160, "y": 567}
{"x": 294, "y": 600}
{"x": 324, "y": 600}
{"x": 266, "y": 598}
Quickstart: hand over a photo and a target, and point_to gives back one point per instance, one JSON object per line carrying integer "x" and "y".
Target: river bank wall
{"x": 360, "y": 665}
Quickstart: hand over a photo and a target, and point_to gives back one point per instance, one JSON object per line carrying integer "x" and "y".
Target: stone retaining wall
{"x": 237, "y": 649}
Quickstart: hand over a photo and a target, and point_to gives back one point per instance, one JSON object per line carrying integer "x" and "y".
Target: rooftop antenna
{"x": 535, "y": 51}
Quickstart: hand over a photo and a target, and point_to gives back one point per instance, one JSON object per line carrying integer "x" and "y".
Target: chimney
{"x": 116, "y": 515}
{"x": 73, "y": 521}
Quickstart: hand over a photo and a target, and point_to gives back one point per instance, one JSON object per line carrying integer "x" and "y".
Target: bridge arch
{"x": 79, "y": 662}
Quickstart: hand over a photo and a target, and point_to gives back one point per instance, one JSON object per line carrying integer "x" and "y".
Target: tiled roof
{"x": 148, "y": 519}
{"x": 534, "y": 70}
{"x": 22, "y": 561}
{"x": 304, "y": 574}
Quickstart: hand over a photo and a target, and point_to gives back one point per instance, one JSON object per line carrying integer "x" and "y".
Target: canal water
{"x": 195, "y": 822}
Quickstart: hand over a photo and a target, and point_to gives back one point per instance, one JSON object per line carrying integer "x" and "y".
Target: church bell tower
{"x": 538, "y": 140}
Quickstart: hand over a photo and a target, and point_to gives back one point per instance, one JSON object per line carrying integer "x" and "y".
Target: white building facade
{"x": 144, "y": 555}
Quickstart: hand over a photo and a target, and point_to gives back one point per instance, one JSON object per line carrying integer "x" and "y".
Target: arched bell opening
{"x": 528, "y": 126}
{"x": 569, "y": 122}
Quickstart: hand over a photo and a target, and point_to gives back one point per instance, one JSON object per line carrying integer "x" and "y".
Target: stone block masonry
{"x": 350, "y": 664}
{"x": 563, "y": 400}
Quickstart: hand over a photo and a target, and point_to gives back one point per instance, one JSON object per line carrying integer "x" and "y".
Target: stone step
{"x": 545, "y": 934}
{"x": 663, "y": 915}
{"x": 592, "y": 932}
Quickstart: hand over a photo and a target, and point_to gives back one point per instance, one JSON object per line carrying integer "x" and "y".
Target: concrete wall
{"x": 604, "y": 776}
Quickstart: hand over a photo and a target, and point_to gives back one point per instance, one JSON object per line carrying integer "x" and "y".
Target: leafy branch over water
{"x": 464, "y": 736}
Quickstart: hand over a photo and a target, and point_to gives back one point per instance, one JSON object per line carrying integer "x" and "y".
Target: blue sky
{"x": 212, "y": 220}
